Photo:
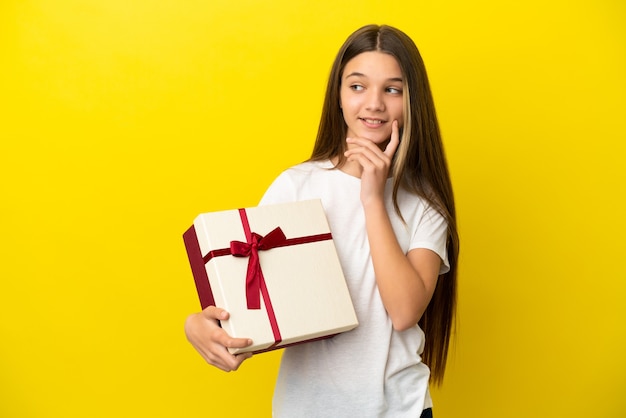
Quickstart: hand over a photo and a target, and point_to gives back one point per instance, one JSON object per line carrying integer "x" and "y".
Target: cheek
{"x": 399, "y": 116}
{"x": 346, "y": 102}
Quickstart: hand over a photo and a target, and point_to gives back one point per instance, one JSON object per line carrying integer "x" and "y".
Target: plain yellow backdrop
{"x": 121, "y": 120}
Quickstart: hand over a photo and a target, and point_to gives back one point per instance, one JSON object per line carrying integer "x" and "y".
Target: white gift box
{"x": 295, "y": 292}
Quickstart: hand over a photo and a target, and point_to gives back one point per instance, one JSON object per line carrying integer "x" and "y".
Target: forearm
{"x": 402, "y": 289}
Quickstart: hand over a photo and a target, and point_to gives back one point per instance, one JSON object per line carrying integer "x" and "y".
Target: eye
{"x": 394, "y": 90}
{"x": 356, "y": 87}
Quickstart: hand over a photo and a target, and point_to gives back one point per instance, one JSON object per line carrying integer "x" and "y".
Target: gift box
{"x": 275, "y": 269}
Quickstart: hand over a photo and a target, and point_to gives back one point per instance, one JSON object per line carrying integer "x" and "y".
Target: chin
{"x": 381, "y": 141}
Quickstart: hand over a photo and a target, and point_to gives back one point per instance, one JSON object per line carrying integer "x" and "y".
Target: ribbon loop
{"x": 250, "y": 249}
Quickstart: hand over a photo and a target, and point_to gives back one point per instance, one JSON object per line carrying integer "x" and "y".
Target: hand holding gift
{"x": 212, "y": 342}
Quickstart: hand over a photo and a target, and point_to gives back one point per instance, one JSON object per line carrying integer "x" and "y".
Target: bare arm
{"x": 406, "y": 282}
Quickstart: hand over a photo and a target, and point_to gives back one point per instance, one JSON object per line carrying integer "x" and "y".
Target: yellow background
{"x": 121, "y": 120}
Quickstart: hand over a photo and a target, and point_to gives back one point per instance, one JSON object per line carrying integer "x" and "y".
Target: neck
{"x": 351, "y": 168}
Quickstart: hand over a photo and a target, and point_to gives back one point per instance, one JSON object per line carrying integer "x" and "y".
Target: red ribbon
{"x": 254, "y": 276}
{"x": 255, "y": 282}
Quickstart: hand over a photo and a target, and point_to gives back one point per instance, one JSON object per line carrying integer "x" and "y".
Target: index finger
{"x": 220, "y": 335}
{"x": 392, "y": 146}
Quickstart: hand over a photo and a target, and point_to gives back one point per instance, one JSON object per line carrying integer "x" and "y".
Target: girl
{"x": 379, "y": 168}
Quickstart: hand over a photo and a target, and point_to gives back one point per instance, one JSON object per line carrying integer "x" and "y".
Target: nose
{"x": 375, "y": 100}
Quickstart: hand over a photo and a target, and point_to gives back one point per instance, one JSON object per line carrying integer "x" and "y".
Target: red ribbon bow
{"x": 254, "y": 276}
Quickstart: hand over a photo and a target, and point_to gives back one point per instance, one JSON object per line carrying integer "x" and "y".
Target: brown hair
{"x": 419, "y": 165}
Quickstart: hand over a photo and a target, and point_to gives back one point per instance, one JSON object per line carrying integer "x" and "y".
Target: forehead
{"x": 373, "y": 64}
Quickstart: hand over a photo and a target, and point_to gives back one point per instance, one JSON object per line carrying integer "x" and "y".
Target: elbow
{"x": 402, "y": 325}
{"x": 403, "y": 319}
{"x": 403, "y": 322}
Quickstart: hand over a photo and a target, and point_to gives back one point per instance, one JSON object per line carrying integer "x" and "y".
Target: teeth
{"x": 373, "y": 121}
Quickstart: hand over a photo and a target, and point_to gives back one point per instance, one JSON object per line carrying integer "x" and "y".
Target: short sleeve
{"x": 431, "y": 232}
{"x": 281, "y": 190}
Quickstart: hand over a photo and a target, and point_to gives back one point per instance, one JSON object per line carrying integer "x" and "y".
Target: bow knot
{"x": 250, "y": 249}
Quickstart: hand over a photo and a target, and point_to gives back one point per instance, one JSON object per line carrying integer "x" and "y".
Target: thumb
{"x": 213, "y": 312}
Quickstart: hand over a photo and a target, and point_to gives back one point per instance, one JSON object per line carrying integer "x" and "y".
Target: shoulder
{"x": 307, "y": 168}
{"x": 426, "y": 226}
{"x": 417, "y": 207}
{"x": 302, "y": 172}
{"x": 419, "y": 218}
{"x": 290, "y": 183}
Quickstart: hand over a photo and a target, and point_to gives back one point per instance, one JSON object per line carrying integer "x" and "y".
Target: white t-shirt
{"x": 373, "y": 370}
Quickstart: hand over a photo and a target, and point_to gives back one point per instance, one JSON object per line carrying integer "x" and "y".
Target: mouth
{"x": 372, "y": 121}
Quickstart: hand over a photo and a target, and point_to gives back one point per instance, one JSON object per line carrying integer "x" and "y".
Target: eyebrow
{"x": 357, "y": 74}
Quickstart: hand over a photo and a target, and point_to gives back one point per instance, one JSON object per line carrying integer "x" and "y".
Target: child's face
{"x": 371, "y": 96}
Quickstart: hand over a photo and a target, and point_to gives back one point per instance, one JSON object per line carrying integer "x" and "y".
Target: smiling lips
{"x": 372, "y": 123}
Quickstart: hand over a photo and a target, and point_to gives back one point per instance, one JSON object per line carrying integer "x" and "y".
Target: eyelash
{"x": 392, "y": 90}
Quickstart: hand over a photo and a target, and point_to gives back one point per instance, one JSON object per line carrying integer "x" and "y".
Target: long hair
{"x": 419, "y": 165}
